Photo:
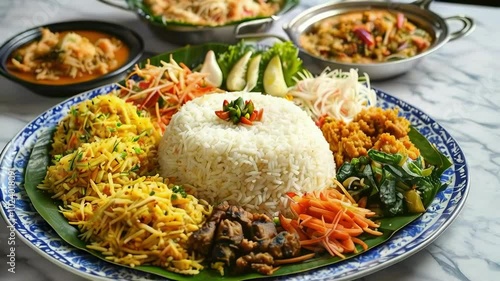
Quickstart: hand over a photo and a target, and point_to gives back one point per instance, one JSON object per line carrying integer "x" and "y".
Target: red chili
{"x": 260, "y": 114}
{"x": 244, "y": 120}
{"x": 253, "y": 115}
{"x": 224, "y": 115}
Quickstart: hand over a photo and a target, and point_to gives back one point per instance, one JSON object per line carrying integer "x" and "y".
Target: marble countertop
{"x": 457, "y": 86}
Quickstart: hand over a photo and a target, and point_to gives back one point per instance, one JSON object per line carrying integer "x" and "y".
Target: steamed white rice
{"x": 251, "y": 166}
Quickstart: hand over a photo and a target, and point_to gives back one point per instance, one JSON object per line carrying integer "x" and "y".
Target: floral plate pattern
{"x": 18, "y": 212}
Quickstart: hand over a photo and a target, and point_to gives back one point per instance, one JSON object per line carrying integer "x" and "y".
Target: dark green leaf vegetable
{"x": 394, "y": 184}
{"x": 430, "y": 153}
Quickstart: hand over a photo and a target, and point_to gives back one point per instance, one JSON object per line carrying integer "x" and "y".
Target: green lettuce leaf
{"x": 289, "y": 55}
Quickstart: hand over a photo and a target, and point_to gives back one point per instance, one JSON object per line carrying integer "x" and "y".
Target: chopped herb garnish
{"x": 84, "y": 138}
{"x": 180, "y": 190}
{"x": 135, "y": 168}
{"x": 77, "y": 157}
{"x": 115, "y": 145}
{"x": 123, "y": 154}
{"x": 136, "y": 138}
{"x": 118, "y": 124}
{"x": 74, "y": 111}
{"x": 137, "y": 150}
{"x": 152, "y": 193}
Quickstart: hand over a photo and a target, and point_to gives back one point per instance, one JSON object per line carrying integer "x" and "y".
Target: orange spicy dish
{"x": 67, "y": 57}
{"x": 366, "y": 37}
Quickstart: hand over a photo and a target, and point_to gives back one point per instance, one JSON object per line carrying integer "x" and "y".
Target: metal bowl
{"x": 183, "y": 33}
{"x": 417, "y": 12}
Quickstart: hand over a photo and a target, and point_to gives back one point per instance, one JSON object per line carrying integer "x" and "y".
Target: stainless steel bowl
{"x": 418, "y": 12}
{"x": 183, "y": 34}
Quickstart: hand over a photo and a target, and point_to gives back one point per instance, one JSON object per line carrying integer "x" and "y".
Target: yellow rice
{"x": 101, "y": 117}
{"x": 142, "y": 221}
{"x": 104, "y": 172}
{"x": 113, "y": 160}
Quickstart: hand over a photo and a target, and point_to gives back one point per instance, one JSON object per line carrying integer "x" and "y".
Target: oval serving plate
{"x": 18, "y": 212}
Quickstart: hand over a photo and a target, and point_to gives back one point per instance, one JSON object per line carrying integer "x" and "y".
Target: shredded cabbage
{"x": 336, "y": 93}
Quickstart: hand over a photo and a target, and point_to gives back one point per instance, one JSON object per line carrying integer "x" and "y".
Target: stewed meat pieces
{"x": 243, "y": 241}
{"x": 260, "y": 262}
{"x": 201, "y": 240}
{"x": 284, "y": 245}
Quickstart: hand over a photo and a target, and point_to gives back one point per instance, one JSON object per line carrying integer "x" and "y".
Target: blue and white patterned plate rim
{"x": 34, "y": 231}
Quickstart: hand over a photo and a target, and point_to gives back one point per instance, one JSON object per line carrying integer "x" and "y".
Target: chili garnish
{"x": 239, "y": 111}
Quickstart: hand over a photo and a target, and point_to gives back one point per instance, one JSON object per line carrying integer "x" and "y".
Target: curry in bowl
{"x": 372, "y": 36}
{"x": 67, "y": 57}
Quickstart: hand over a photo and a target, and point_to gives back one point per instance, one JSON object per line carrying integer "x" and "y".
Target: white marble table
{"x": 458, "y": 86}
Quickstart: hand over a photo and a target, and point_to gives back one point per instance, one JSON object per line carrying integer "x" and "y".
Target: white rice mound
{"x": 249, "y": 166}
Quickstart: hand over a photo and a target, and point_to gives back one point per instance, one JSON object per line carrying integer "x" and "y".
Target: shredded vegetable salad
{"x": 212, "y": 12}
{"x": 162, "y": 90}
{"x": 329, "y": 220}
{"x": 334, "y": 93}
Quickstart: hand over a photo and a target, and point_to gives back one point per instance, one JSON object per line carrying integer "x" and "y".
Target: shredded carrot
{"x": 329, "y": 220}
{"x": 162, "y": 90}
{"x": 341, "y": 186}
